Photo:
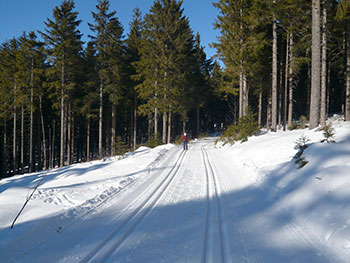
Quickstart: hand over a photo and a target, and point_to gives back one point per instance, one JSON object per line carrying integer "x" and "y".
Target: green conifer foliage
{"x": 64, "y": 45}
{"x": 167, "y": 47}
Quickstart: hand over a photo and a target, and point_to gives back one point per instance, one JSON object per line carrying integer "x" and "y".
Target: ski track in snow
{"x": 111, "y": 243}
{"x": 190, "y": 206}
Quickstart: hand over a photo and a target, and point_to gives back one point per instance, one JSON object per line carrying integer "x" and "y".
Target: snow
{"x": 246, "y": 202}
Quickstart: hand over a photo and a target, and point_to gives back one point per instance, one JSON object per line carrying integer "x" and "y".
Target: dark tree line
{"x": 286, "y": 58}
{"x": 64, "y": 101}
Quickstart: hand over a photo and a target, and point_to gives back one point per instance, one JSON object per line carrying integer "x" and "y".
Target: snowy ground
{"x": 242, "y": 203}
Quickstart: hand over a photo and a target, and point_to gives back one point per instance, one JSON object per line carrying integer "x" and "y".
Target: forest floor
{"x": 213, "y": 203}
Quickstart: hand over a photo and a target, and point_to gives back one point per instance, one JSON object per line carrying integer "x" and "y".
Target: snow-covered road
{"x": 199, "y": 205}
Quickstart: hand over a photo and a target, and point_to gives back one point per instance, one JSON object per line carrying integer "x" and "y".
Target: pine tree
{"x": 166, "y": 54}
{"x": 109, "y": 53}
{"x": 63, "y": 40}
{"x": 89, "y": 99}
{"x": 133, "y": 49}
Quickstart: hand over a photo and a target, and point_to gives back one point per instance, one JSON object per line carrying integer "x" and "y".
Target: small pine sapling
{"x": 328, "y": 133}
{"x": 301, "y": 145}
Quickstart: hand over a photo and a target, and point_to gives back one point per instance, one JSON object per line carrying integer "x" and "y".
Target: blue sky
{"x": 17, "y": 16}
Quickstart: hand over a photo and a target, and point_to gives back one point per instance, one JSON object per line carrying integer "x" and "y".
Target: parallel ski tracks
{"x": 113, "y": 241}
{"x": 214, "y": 240}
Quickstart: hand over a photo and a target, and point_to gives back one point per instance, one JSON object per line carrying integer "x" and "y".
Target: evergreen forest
{"x": 63, "y": 101}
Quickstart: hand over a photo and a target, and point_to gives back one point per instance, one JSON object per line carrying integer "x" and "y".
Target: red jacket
{"x": 184, "y": 138}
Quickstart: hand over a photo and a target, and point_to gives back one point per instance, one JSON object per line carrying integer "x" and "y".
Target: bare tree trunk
{"x": 274, "y": 76}
{"x": 281, "y": 89}
{"x": 22, "y": 139}
{"x": 43, "y": 131}
{"x": 240, "y": 114}
{"x": 149, "y": 126}
{"x": 100, "y": 121}
{"x": 241, "y": 77}
{"x": 323, "y": 116}
{"x": 156, "y": 122}
{"x": 88, "y": 140}
{"x": 315, "y": 66}
{"x": 114, "y": 113}
{"x": 164, "y": 139}
{"x": 347, "y": 91}
{"x": 62, "y": 146}
{"x": 135, "y": 123}
{"x": 69, "y": 136}
{"x": 169, "y": 127}
{"x": 268, "y": 113}
{"x": 3, "y": 147}
{"x": 31, "y": 117}
{"x": 245, "y": 95}
{"x": 290, "y": 84}
{"x": 260, "y": 108}
{"x": 286, "y": 85}
{"x": 14, "y": 149}
{"x": 73, "y": 139}
{"x": 328, "y": 90}
{"x": 53, "y": 143}
{"x": 198, "y": 122}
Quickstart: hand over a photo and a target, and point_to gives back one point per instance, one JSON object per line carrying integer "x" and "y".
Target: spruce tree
{"x": 166, "y": 53}
{"x": 64, "y": 45}
{"x": 108, "y": 42}
{"x": 133, "y": 49}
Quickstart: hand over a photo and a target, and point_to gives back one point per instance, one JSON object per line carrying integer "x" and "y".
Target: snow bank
{"x": 317, "y": 195}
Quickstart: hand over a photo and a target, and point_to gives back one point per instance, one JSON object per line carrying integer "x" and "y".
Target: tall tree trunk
{"x": 315, "y": 66}
{"x": 135, "y": 123}
{"x": 198, "y": 120}
{"x": 62, "y": 146}
{"x": 100, "y": 121}
{"x": 240, "y": 113}
{"x": 260, "y": 108}
{"x": 169, "y": 127}
{"x": 164, "y": 139}
{"x": 22, "y": 139}
{"x": 114, "y": 113}
{"x": 245, "y": 95}
{"x": 3, "y": 161}
{"x": 73, "y": 138}
{"x": 69, "y": 136}
{"x": 149, "y": 127}
{"x": 241, "y": 76}
{"x": 39, "y": 147}
{"x": 43, "y": 131}
{"x": 281, "y": 89}
{"x": 88, "y": 140}
{"x": 290, "y": 82}
{"x": 274, "y": 76}
{"x": 347, "y": 91}
{"x": 14, "y": 149}
{"x": 156, "y": 122}
{"x": 53, "y": 143}
{"x": 268, "y": 114}
{"x": 31, "y": 117}
{"x": 328, "y": 90}
{"x": 323, "y": 115}
{"x": 286, "y": 85}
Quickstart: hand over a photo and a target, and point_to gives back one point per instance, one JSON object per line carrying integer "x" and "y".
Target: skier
{"x": 185, "y": 141}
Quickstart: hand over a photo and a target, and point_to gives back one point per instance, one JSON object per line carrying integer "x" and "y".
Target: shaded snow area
{"x": 213, "y": 203}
